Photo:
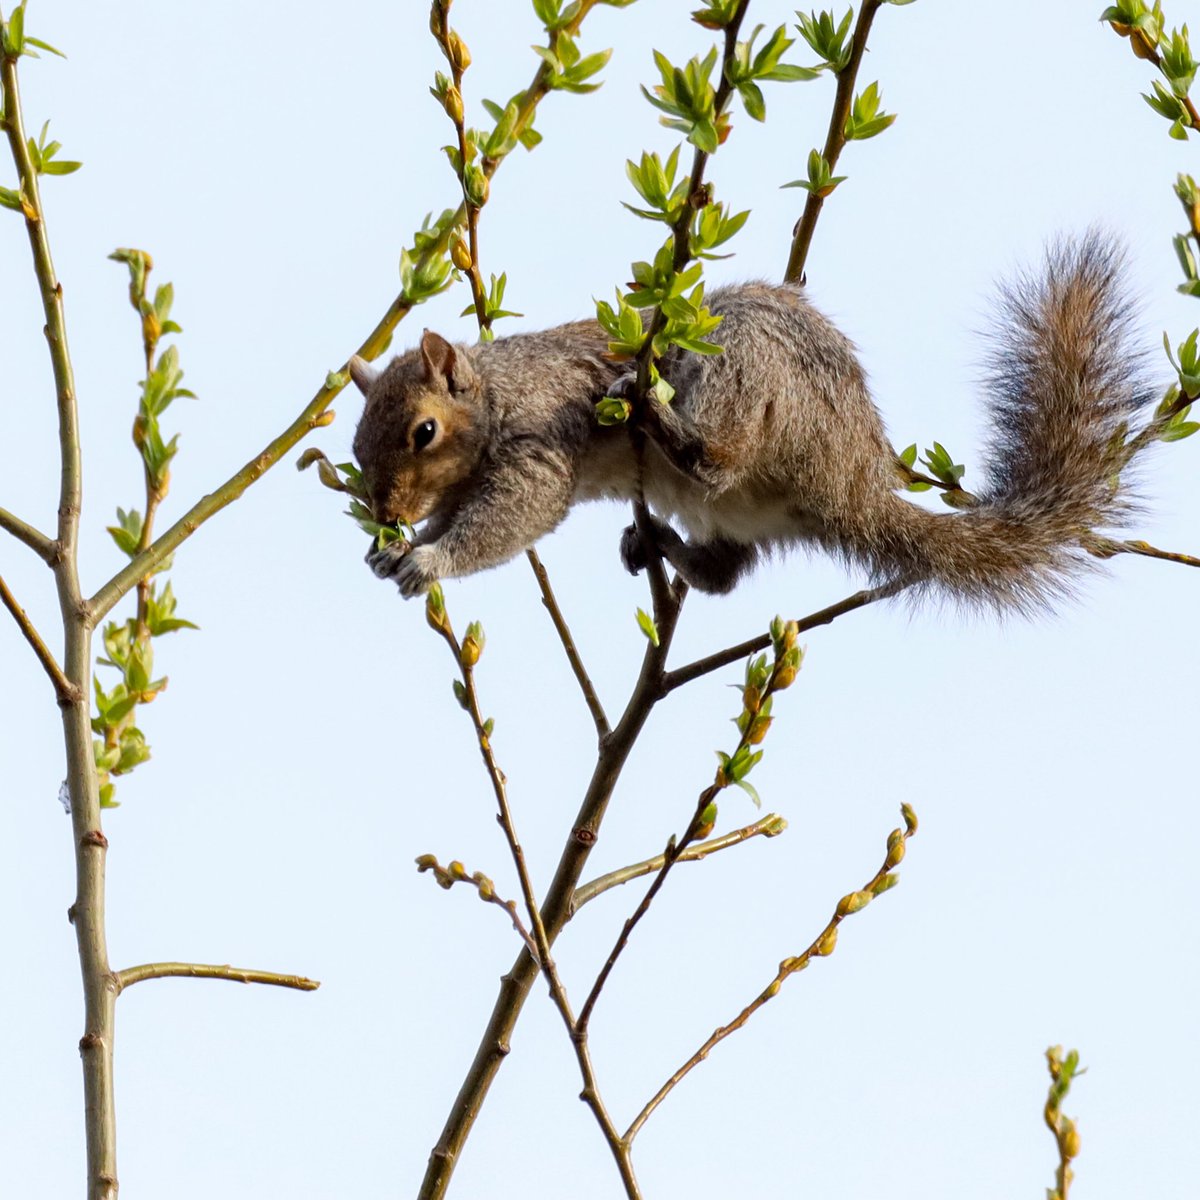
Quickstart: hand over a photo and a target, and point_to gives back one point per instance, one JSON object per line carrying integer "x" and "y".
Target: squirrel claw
{"x": 633, "y": 553}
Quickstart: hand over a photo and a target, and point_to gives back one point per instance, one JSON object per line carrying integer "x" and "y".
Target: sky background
{"x": 274, "y": 159}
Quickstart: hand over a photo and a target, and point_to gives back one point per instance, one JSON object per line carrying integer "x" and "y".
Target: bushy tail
{"x": 1062, "y": 386}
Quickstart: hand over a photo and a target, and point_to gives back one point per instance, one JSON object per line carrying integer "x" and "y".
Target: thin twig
{"x": 447, "y": 877}
{"x": 825, "y": 616}
{"x": 1148, "y": 551}
{"x": 772, "y": 825}
{"x": 514, "y": 987}
{"x": 37, "y": 541}
{"x": 541, "y": 941}
{"x": 168, "y": 970}
{"x": 550, "y": 601}
{"x": 753, "y": 725}
{"x": 1063, "y": 1070}
{"x": 835, "y": 140}
{"x": 99, "y": 994}
{"x": 822, "y": 945}
{"x": 670, "y": 857}
{"x": 313, "y": 415}
{"x": 64, "y": 689}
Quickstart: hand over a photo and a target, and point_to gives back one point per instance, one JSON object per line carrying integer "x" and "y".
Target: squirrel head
{"x": 422, "y": 432}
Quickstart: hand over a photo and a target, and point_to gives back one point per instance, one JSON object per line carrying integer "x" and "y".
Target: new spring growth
{"x": 762, "y": 681}
{"x": 1063, "y": 1069}
{"x": 472, "y": 645}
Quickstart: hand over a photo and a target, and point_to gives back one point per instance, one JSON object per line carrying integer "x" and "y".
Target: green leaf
{"x": 63, "y": 167}
{"x": 750, "y": 791}
{"x": 646, "y": 625}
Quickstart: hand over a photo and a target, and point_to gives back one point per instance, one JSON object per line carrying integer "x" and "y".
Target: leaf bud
{"x": 326, "y": 418}
{"x": 476, "y": 186}
{"x": 460, "y": 692}
{"x": 826, "y": 943}
{"x": 895, "y": 854}
{"x": 1068, "y": 1141}
{"x": 435, "y": 608}
{"x": 452, "y": 103}
{"x": 460, "y": 254}
{"x": 457, "y": 52}
{"x": 456, "y": 870}
{"x": 910, "y": 818}
{"x": 758, "y": 729}
{"x": 708, "y": 818}
{"x": 469, "y": 652}
{"x": 852, "y": 903}
{"x": 426, "y": 862}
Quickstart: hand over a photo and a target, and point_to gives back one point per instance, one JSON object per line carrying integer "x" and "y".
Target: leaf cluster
{"x": 121, "y": 745}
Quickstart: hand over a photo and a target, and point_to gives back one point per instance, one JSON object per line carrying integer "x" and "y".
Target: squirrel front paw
{"x": 412, "y": 569}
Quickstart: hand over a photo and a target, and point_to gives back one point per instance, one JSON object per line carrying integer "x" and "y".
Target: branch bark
{"x": 168, "y": 970}
{"x": 835, "y": 140}
{"x": 37, "y": 541}
{"x": 87, "y": 912}
{"x": 64, "y": 690}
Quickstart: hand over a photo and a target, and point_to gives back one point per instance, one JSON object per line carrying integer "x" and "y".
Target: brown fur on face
{"x": 405, "y": 479}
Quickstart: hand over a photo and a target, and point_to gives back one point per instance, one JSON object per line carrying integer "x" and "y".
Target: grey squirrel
{"x": 773, "y": 442}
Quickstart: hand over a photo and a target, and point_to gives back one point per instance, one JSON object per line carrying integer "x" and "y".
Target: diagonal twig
{"x": 821, "y": 946}
{"x": 64, "y": 689}
{"x": 590, "y": 698}
{"x": 772, "y": 825}
{"x": 38, "y": 542}
{"x": 825, "y": 616}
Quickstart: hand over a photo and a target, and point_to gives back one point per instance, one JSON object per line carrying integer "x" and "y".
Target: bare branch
{"x": 1144, "y": 548}
{"x": 447, "y": 877}
{"x": 168, "y": 970}
{"x": 825, "y": 616}
{"x": 64, "y": 689}
{"x": 37, "y": 541}
{"x": 599, "y": 719}
{"x": 772, "y": 825}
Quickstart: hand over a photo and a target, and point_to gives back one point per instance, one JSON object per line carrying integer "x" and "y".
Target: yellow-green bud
{"x": 457, "y": 52}
{"x": 852, "y": 903}
{"x": 826, "y": 943}
{"x": 895, "y": 853}
{"x": 469, "y": 653}
{"x": 460, "y": 254}
{"x": 452, "y": 103}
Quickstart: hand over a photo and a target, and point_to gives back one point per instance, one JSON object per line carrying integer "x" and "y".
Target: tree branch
{"x": 555, "y": 911}
{"x": 599, "y": 719}
{"x": 835, "y": 140}
{"x": 37, "y": 541}
{"x": 447, "y": 877}
{"x": 772, "y": 825}
{"x": 64, "y": 689}
{"x": 313, "y": 415}
{"x": 90, "y": 845}
{"x": 825, "y": 616}
{"x": 1148, "y": 551}
{"x": 821, "y": 946}
{"x": 167, "y": 970}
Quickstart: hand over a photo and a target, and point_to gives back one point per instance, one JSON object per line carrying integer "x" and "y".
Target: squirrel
{"x": 773, "y": 442}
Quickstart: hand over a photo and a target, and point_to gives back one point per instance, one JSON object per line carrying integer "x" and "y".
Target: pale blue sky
{"x": 274, "y": 158}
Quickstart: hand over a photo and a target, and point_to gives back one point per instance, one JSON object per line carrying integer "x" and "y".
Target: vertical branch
{"x": 87, "y": 913}
{"x": 835, "y": 141}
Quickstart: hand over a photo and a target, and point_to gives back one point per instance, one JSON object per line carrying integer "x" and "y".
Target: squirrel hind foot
{"x": 713, "y": 567}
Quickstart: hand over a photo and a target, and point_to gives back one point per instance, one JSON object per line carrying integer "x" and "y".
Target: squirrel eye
{"x": 423, "y": 434}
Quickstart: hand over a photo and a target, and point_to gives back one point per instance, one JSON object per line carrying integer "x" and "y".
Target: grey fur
{"x": 772, "y": 443}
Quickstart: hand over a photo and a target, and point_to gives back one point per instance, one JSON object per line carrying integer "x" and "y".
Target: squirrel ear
{"x": 362, "y": 373}
{"x": 438, "y": 356}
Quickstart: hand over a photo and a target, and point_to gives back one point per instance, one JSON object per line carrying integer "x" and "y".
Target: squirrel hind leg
{"x": 713, "y": 566}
